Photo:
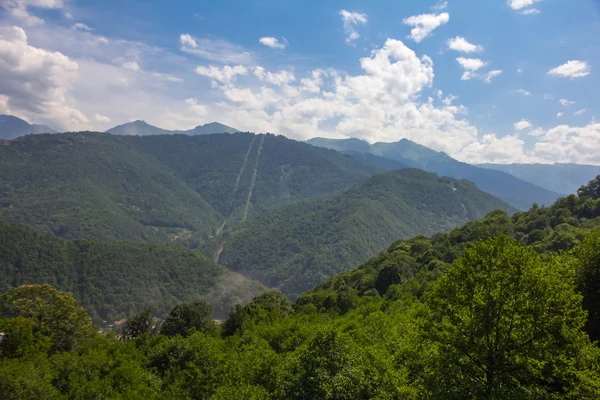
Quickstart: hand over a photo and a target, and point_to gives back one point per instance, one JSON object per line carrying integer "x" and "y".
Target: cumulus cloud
{"x": 523, "y": 124}
{"x": 272, "y": 42}
{"x": 351, "y": 19}
{"x": 566, "y": 143}
{"x": 470, "y": 65}
{"x": 215, "y": 50}
{"x": 132, "y": 65}
{"x": 571, "y": 69}
{"x": 461, "y": 44}
{"x": 503, "y": 150}
{"x": 425, "y": 24}
{"x": 19, "y": 9}
{"x": 36, "y": 81}
{"x": 101, "y": 118}
{"x": 566, "y": 102}
{"x": 82, "y": 27}
{"x": 520, "y": 4}
{"x": 226, "y": 74}
{"x": 487, "y": 77}
{"x": 524, "y": 92}
{"x": 197, "y": 109}
{"x": 559, "y": 114}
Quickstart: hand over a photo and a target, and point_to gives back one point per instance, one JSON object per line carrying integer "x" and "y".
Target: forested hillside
{"x": 296, "y": 247}
{"x": 113, "y": 279}
{"x": 516, "y": 192}
{"x": 161, "y": 188}
{"x": 501, "y": 308}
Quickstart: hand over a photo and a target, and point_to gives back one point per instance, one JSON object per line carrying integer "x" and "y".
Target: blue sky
{"x": 485, "y": 81}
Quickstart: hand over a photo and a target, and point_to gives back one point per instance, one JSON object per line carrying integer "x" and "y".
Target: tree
{"x": 140, "y": 323}
{"x": 54, "y": 314}
{"x": 389, "y": 275}
{"x": 592, "y": 189}
{"x": 507, "y": 325}
{"x": 186, "y": 316}
{"x": 234, "y": 323}
{"x": 588, "y": 255}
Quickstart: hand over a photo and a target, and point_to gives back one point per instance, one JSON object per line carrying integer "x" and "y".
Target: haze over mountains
{"x": 12, "y": 127}
{"x": 515, "y": 191}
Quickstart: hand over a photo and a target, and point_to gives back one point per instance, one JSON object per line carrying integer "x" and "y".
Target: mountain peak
{"x": 12, "y": 127}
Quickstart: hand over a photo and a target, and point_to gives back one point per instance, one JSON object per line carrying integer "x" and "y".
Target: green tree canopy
{"x": 507, "y": 325}
{"x": 186, "y": 316}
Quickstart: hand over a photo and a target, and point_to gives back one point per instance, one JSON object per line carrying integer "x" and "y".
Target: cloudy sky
{"x": 485, "y": 81}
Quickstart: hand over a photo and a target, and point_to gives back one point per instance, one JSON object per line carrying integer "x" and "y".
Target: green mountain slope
{"x": 515, "y": 191}
{"x": 161, "y": 188}
{"x": 561, "y": 178}
{"x": 112, "y": 279}
{"x": 12, "y": 127}
{"x": 97, "y": 186}
{"x": 295, "y": 247}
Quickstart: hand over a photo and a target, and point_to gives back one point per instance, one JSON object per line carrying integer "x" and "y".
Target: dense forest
{"x": 296, "y": 247}
{"x": 112, "y": 279}
{"x": 505, "y": 307}
{"x": 158, "y": 189}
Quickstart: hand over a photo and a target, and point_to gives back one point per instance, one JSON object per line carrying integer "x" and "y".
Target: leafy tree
{"x": 507, "y": 325}
{"x": 21, "y": 339}
{"x": 591, "y": 190}
{"x": 234, "y": 323}
{"x": 186, "y": 316}
{"x": 389, "y": 275}
{"x": 588, "y": 254}
{"x": 140, "y": 323}
{"x": 53, "y": 314}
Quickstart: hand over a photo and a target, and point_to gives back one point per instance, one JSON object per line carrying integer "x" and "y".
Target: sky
{"x": 497, "y": 81}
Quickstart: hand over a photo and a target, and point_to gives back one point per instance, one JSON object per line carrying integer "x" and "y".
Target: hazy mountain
{"x": 139, "y": 128}
{"x": 142, "y": 128}
{"x": 297, "y": 246}
{"x": 213, "y": 127}
{"x": 12, "y": 127}
{"x": 561, "y": 178}
{"x": 515, "y": 191}
{"x": 169, "y": 188}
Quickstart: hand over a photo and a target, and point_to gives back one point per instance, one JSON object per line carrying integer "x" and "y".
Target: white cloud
{"x": 68, "y": 15}
{"x": 197, "y": 109}
{"x": 132, "y": 65}
{"x": 520, "y": 70}
{"x": 101, "y": 118}
{"x": 565, "y": 143}
{"x": 487, "y": 77}
{"x": 566, "y": 102}
{"x": 351, "y": 20}
{"x": 580, "y": 112}
{"x": 524, "y": 92}
{"x": 571, "y": 69}
{"x": 440, "y": 6}
{"x": 461, "y": 44}
{"x": 215, "y": 50}
{"x": 19, "y": 9}
{"x": 272, "y": 42}
{"x": 424, "y": 24}
{"x": 520, "y": 4}
{"x": 504, "y": 150}
{"x": 187, "y": 40}
{"x": 470, "y": 65}
{"x": 523, "y": 124}
{"x": 225, "y": 75}
{"x": 81, "y": 27}
{"x": 559, "y": 114}
{"x": 36, "y": 81}
{"x": 530, "y": 11}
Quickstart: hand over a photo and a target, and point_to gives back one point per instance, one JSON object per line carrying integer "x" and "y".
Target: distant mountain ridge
{"x": 517, "y": 192}
{"x": 558, "y": 177}
{"x": 142, "y": 128}
{"x": 12, "y": 127}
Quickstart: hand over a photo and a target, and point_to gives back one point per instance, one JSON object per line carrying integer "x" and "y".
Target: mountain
{"x": 561, "y": 178}
{"x": 142, "y": 128}
{"x": 213, "y": 127}
{"x": 175, "y": 188}
{"x": 113, "y": 279}
{"x": 515, "y": 191}
{"x": 139, "y": 128}
{"x": 295, "y": 247}
{"x": 12, "y": 127}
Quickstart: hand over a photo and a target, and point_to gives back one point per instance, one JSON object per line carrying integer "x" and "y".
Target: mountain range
{"x": 515, "y": 191}
{"x": 12, "y": 127}
{"x": 232, "y": 196}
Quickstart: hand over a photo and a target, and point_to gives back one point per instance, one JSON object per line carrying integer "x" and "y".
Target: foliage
{"x": 139, "y": 324}
{"x": 187, "y": 316}
{"x": 296, "y": 247}
{"x": 588, "y": 256}
{"x": 591, "y": 190}
{"x": 114, "y": 279}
